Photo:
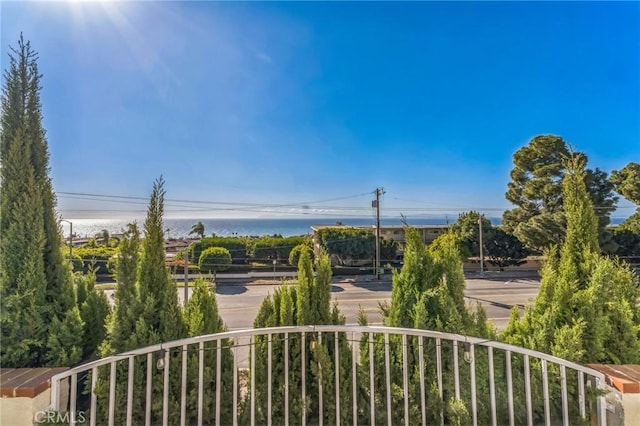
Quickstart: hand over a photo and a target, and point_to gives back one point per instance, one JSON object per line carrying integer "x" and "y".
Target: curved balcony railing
{"x": 330, "y": 374}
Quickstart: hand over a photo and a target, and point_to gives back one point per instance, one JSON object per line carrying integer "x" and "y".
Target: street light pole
{"x": 70, "y": 238}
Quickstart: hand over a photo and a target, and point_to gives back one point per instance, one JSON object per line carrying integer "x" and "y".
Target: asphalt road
{"x": 239, "y": 303}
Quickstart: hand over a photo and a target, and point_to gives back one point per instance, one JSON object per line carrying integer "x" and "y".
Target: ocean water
{"x": 178, "y": 228}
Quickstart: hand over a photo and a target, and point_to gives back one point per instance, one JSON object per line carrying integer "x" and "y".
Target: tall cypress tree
{"x": 586, "y": 305}
{"x": 28, "y": 223}
{"x": 122, "y": 321}
{"x": 160, "y": 318}
{"x": 308, "y": 303}
{"x": 428, "y": 293}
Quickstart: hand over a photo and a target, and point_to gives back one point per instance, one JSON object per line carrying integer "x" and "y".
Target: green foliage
{"x": 294, "y": 256}
{"x": 388, "y": 250}
{"x": 214, "y": 259}
{"x": 149, "y": 314}
{"x": 94, "y": 310}
{"x": 628, "y": 243}
{"x": 538, "y": 220}
{"x": 307, "y": 303}
{"x": 160, "y": 318}
{"x": 95, "y": 257}
{"x": 36, "y": 292}
{"x": 503, "y": 249}
{"x": 586, "y": 308}
{"x": 274, "y": 247}
{"x": 347, "y": 245}
{"x": 427, "y": 293}
{"x": 63, "y": 339}
{"x": 197, "y": 229}
{"x": 127, "y": 306}
{"x": 201, "y": 317}
{"x": 627, "y": 182}
{"x": 467, "y": 227}
{"x": 237, "y": 247}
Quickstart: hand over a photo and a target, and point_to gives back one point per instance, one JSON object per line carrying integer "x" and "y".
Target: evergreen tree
{"x": 160, "y": 319}
{"x": 427, "y": 293}
{"x": 538, "y": 219}
{"x": 308, "y": 303}
{"x": 122, "y": 321}
{"x": 201, "y": 317}
{"x": 586, "y": 309}
{"x": 27, "y": 208}
{"x": 94, "y": 311}
{"x": 157, "y": 315}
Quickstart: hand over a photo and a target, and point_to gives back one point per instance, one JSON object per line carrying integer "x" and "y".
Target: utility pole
{"x": 376, "y": 204}
{"x": 481, "y": 253}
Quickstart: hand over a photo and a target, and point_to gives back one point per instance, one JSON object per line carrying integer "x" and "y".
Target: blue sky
{"x": 296, "y": 103}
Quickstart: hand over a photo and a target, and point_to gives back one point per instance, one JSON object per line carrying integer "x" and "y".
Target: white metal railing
{"x": 386, "y": 380}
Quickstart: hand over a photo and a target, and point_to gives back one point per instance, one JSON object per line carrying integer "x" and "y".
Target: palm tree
{"x": 104, "y": 236}
{"x": 197, "y": 229}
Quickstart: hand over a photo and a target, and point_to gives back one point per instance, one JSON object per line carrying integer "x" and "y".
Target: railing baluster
{"x": 581, "y": 398}
{"x": 94, "y": 397}
{"x": 165, "y": 389}
{"x": 320, "y": 399}
{"x": 147, "y": 409}
{"x": 456, "y": 370}
{"x": 200, "y": 381}
{"x": 162, "y": 402}
{"x": 492, "y": 388}
{"x": 354, "y": 376}
{"x": 372, "y": 399}
{"x": 336, "y": 352}
{"x": 183, "y": 390}
{"x": 303, "y": 348}
{"x": 527, "y": 389}
{"x": 286, "y": 379}
{"x": 112, "y": 394}
{"x": 545, "y": 393}
{"x": 423, "y": 403}
{"x": 269, "y": 376}
{"x": 439, "y": 368}
{"x": 130, "y": 390}
{"x": 73, "y": 399}
{"x": 405, "y": 379}
{"x": 474, "y": 404}
{"x": 235, "y": 383}
{"x": 565, "y": 400}
{"x": 218, "y": 378}
{"x": 387, "y": 367}
{"x": 252, "y": 344}
{"x": 510, "y": 389}
{"x": 602, "y": 403}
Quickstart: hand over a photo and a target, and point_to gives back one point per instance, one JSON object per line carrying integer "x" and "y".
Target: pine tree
{"x": 27, "y": 208}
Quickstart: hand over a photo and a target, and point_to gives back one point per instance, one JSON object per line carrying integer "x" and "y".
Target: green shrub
{"x": 237, "y": 247}
{"x": 214, "y": 259}
{"x": 275, "y": 247}
{"x": 294, "y": 255}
